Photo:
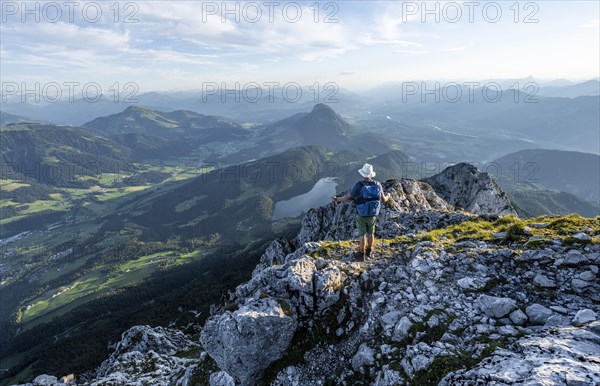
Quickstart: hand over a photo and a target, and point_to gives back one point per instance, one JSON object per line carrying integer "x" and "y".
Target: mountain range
{"x": 523, "y": 118}
{"x": 573, "y": 172}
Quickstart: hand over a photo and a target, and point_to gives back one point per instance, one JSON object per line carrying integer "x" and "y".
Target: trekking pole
{"x": 385, "y": 215}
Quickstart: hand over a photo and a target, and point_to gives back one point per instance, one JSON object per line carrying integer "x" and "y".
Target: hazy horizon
{"x": 168, "y": 46}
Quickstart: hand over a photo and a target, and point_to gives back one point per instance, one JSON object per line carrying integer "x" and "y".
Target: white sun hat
{"x": 367, "y": 171}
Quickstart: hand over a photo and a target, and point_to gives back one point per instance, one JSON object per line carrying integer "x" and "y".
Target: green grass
{"x": 185, "y": 205}
{"x": 56, "y": 298}
{"x": 9, "y": 185}
{"x": 432, "y": 334}
{"x": 64, "y": 201}
{"x": 54, "y": 273}
{"x": 190, "y": 354}
{"x": 98, "y": 282}
{"x": 104, "y": 190}
{"x": 440, "y": 367}
{"x": 486, "y": 230}
{"x": 459, "y": 359}
{"x": 334, "y": 249}
{"x": 482, "y": 229}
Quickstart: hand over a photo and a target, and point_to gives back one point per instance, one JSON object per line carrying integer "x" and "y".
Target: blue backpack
{"x": 368, "y": 202}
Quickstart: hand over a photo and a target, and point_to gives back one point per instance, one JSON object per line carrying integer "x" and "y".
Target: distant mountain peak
{"x": 135, "y": 109}
{"x": 322, "y": 126}
{"x": 322, "y": 107}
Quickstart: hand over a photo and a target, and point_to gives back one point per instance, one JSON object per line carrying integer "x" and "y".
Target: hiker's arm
{"x": 385, "y": 196}
{"x": 336, "y": 199}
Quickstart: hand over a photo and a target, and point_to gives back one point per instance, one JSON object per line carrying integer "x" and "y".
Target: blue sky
{"x": 170, "y": 45}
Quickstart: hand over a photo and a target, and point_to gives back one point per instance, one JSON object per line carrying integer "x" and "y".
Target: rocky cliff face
{"x": 143, "y": 356}
{"x": 448, "y": 298}
{"x": 465, "y": 187}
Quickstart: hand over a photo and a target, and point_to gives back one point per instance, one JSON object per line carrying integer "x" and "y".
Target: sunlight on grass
{"x": 10, "y": 185}
{"x": 506, "y": 229}
{"x": 512, "y": 228}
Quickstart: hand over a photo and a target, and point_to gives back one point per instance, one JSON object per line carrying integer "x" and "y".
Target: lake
{"x": 320, "y": 194}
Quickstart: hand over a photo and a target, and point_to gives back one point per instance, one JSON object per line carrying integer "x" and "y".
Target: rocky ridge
{"x": 463, "y": 186}
{"x": 449, "y": 298}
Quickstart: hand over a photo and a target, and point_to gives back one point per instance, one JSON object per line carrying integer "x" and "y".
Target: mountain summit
{"x": 323, "y": 126}
{"x": 139, "y": 120}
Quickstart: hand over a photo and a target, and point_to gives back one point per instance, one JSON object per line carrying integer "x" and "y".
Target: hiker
{"x": 368, "y": 195}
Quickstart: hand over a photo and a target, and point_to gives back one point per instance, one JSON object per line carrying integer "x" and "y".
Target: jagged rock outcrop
{"x": 246, "y": 341}
{"x": 464, "y": 186}
{"x": 144, "y": 356}
{"x": 565, "y": 356}
{"x": 275, "y": 254}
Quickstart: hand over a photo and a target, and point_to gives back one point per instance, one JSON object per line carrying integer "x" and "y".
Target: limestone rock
{"x": 518, "y": 317}
{"x": 363, "y": 357}
{"x": 146, "y": 345}
{"x": 45, "y": 380}
{"x": 221, "y": 378}
{"x": 275, "y": 254}
{"x": 401, "y": 329}
{"x": 539, "y": 359}
{"x": 582, "y": 236}
{"x": 584, "y": 316}
{"x": 233, "y": 339}
{"x": 544, "y": 281}
{"x": 538, "y": 314}
{"x": 462, "y": 185}
{"x": 388, "y": 377}
{"x": 496, "y": 307}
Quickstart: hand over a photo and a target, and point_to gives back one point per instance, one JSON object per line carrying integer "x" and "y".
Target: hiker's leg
{"x": 370, "y": 231}
{"x": 361, "y": 225}
{"x": 370, "y": 239}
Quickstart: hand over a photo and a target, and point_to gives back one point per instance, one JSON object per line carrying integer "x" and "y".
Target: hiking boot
{"x": 359, "y": 255}
{"x": 368, "y": 253}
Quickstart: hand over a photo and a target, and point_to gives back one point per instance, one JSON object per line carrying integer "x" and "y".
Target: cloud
{"x": 345, "y": 73}
{"x": 303, "y": 39}
{"x": 180, "y": 33}
{"x": 455, "y": 49}
{"x": 591, "y": 24}
{"x": 42, "y": 37}
{"x": 410, "y": 52}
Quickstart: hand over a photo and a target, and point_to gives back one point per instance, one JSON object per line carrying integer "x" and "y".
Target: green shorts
{"x": 365, "y": 225}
